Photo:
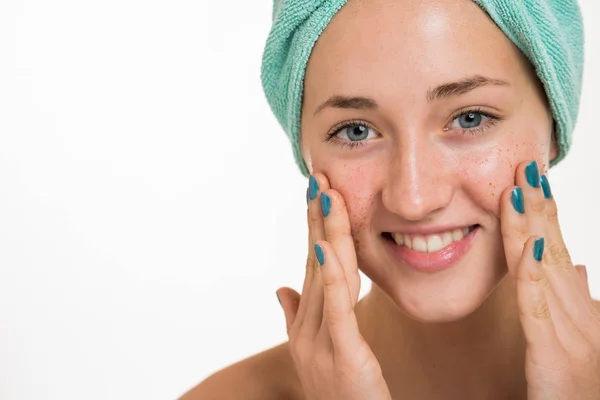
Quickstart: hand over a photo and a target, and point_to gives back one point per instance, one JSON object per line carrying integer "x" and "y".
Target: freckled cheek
{"x": 487, "y": 173}
{"x": 356, "y": 185}
{"x": 484, "y": 176}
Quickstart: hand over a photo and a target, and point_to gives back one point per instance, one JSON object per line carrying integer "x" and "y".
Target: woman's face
{"x": 409, "y": 163}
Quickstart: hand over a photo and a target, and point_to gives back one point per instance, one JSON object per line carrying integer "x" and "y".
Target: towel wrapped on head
{"x": 548, "y": 32}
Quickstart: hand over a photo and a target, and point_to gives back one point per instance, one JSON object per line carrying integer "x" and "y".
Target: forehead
{"x": 406, "y": 45}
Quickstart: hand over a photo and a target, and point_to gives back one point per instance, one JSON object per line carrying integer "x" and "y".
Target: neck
{"x": 479, "y": 356}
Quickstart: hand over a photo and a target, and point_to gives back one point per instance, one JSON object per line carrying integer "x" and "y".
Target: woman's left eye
{"x": 469, "y": 120}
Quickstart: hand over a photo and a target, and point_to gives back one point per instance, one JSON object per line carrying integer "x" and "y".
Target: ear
{"x": 553, "y": 143}
{"x": 306, "y": 157}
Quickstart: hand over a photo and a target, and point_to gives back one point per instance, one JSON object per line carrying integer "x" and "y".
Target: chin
{"x": 454, "y": 302}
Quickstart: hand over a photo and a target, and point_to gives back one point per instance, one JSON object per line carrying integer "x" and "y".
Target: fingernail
{"x": 313, "y": 188}
{"x": 320, "y": 254}
{"x": 538, "y": 249}
{"x": 546, "y": 187}
{"x": 517, "y": 200}
{"x": 532, "y": 173}
{"x": 278, "y": 299}
{"x": 325, "y": 204}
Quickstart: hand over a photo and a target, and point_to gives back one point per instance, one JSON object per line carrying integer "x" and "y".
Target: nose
{"x": 419, "y": 183}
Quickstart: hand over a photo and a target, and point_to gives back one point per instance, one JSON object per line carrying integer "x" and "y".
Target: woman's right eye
{"x": 354, "y": 132}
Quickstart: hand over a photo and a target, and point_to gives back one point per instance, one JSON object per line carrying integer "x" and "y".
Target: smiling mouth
{"x": 429, "y": 243}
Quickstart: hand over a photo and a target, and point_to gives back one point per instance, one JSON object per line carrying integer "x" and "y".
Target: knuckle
{"x": 311, "y": 260}
{"x": 336, "y": 315}
{"x": 518, "y": 230}
{"x": 330, "y": 281}
{"x": 556, "y": 255}
{"x": 540, "y": 311}
{"x": 539, "y": 278}
{"x": 552, "y": 212}
{"x": 314, "y": 217}
{"x": 538, "y": 207}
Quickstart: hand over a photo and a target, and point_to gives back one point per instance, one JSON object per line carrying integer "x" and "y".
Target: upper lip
{"x": 429, "y": 230}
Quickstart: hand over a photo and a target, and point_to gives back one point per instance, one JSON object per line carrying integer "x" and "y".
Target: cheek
{"x": 356, "y": 185}
{"x": 488, "y": 172}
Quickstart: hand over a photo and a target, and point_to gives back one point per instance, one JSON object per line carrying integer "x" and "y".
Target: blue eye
{"x": 355, "y": 132}
{"x": 352, "y": 133}
{"x": 469, "y": 120}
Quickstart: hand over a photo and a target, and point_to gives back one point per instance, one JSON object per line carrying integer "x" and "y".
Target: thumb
{"x": 289, "y": 300}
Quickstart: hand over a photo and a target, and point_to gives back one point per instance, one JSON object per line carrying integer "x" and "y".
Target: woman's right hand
{"x": 333, "y": 360}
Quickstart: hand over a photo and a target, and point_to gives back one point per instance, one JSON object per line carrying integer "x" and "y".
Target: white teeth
{"x": 432, "y": 243}
{"x": 398, "y": 238}
{"x": 447, "y": 239}
{"x": 457, "y": 235}
{"x": 419, "y": 244}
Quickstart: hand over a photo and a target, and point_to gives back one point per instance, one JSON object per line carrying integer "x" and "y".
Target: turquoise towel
{"x": 548, "y": 32}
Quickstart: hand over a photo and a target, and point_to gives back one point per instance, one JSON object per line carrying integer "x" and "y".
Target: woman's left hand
{"x": 560, "y": 320}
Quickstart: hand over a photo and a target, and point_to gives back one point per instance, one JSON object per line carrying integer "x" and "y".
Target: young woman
{"x": 428, "y": 135}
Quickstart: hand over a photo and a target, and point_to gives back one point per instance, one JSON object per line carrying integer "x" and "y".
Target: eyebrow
{"x": 438, "y": 93}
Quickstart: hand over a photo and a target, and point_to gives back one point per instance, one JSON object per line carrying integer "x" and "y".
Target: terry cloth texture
{"x": 548, "y": 32}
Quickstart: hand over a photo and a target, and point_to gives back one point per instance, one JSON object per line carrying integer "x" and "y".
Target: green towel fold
{"x": 548, "y": 32}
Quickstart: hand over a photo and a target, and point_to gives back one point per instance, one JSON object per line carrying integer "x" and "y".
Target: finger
{"x": 569, "y": 335}
{"x": 338, "y": 233}
{"x": 340, "y": 324}
{"x": 522, "y": 212}
{"x": 311, "y": 262}
{"x": 564, "y": 278}
{"x": 289, "y": 300}
{"x": 541, "y": 216}
{"x": 528, "y": 178}
{"x": 314, "y": 308}
{"x": 534, "y": 309}
{"x": 317, "y": 183}
{"x": 514, "y": 226}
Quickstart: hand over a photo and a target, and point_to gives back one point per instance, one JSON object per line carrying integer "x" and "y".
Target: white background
{"x": 149, "y": 202}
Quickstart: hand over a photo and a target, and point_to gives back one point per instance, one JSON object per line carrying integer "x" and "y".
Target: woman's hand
{"x": 332, "y": 359}
{"x": 560, "y": 321}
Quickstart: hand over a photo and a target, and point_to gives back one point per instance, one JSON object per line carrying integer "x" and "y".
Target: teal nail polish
{"x": 517, "y": 200}
{"x": 532, "y": 173}
{"x": 313, "y": 188}
{"x": 546, "y": 187}
{"x": 325, "y": 204}
{"x": 538, "y": 249}
{"x": 320, "y": 254}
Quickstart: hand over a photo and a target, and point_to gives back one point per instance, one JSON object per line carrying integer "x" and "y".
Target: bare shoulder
{"x": 263, "y": 376}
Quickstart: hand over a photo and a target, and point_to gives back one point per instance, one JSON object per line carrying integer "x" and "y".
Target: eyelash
{"x": 331, "y": 137}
